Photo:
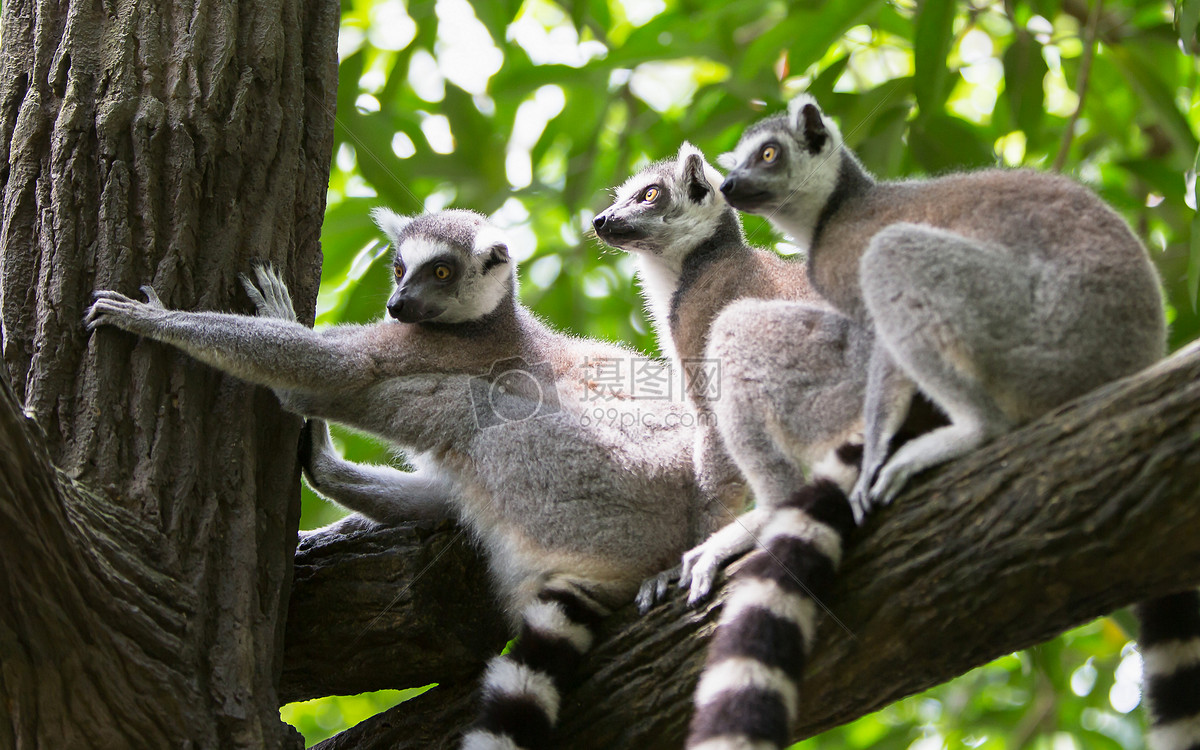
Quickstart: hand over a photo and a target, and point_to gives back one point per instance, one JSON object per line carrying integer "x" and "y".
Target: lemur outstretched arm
{"x": 277, "y": 353}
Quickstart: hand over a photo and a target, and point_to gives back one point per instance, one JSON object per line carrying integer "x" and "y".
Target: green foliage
{"x": 531, "y": 110}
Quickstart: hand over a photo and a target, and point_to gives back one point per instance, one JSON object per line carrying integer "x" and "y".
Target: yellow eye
{"x": 650, "y": 195}
{"x": 441, "y": 272}
{"x": 399, "y": 272}
{"x": 769, "y": 154}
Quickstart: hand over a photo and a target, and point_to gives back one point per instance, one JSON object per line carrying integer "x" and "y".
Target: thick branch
{"x": 1086, "y": 511}
{"x": 370, "y": 610}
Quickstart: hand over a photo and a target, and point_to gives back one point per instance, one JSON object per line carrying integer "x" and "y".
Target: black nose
{"x": 395, "y": 308}
{"x": 599, "y": 222}
{"x": 729, "y": 185}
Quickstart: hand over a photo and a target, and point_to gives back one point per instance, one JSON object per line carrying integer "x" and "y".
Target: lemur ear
{"x": 691, "y": 172}
{"x": 727, "y": 160}
{"x": 808, "y": 123}
{"x": 491, "y": 245}
{"x": 390, "y": 222}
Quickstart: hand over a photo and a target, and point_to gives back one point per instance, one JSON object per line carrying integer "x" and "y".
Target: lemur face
{"x": 782, "y": 159}
{"x": 450, "y": 267}
{"x": 666, "y": 209}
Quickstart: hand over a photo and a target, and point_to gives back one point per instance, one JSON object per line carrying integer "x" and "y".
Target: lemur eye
{"x": 650, "y": 195}
{"x": 442, "y": 272}
{"x": 399, "y": 270}
{"x": 769, "y": 154}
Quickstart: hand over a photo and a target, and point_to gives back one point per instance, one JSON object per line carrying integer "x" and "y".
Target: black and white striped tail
{"x": 1170, "y": 646}
{"x": 749, "y": 692}
{"x": 523, "y": 688}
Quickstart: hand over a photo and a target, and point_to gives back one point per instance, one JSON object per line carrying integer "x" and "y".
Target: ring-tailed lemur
{"x": 573, "y": 506}
{"x": 792, "y": 371}
{"x": 793, "y": 374}
{"x": 998, "y": 294}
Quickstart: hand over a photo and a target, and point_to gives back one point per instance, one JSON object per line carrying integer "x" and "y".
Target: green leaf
{"x": 1187, "y": 17}
{"x": 942, "y": 143}
{"x": 932, "y": 38}
{"x": 1157, "y": 93}
{"x": 1024, "y": 72}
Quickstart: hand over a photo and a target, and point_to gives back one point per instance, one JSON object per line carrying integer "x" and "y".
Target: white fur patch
{"x": 733, "y": 742}
{"x": 758, "y": 593}
{"x": 659, "y": 280}
{"x": 795, "y": 523}
{"x": 549, "y": 618}
{"x": 488, "y": 237}
{"x": 833, "y": 468}
{"x": 1175, "y": 736}
{"x": 505, "y": 677}
{"x": 740, "y": 673}
{"x": 478, "y": 739}
{"x": 389, "y": 222}
{"x": 1168, "y": 658}
{"x": 478, "y": 297}
{"x": 417, "y": 251}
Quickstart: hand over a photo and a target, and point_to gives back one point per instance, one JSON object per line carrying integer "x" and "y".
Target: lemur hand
{"x": 115, "y": 309}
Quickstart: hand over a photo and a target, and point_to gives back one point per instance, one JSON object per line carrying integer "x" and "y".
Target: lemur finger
{"x": 260, "y": 303}
{"x": 151, "y": 295}
{"x": 646, "y": 598}
{"x": 688, "y": 562}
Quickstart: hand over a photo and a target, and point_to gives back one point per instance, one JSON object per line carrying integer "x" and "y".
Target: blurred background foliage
{"x": 532, "y": 110}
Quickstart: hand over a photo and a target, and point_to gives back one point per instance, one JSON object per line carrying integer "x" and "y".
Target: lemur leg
{"x": 522, "y": 690}
{"x": 943, "y": 306}
{"x": 889, "y": 397}
{"x": 792, "y": 379}
{"x": 379, "y": 492}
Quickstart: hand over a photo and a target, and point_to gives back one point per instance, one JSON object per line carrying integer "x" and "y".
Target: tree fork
{"x": 1087, "y": 510}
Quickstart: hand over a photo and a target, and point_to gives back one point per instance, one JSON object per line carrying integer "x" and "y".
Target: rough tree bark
{"x": 148, "y": 520}
{"x": 1086, "y": 511}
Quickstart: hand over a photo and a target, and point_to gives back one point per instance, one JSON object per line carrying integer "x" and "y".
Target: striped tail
{"x": 1170, "y": 646}
{"x": 749, "y": 694}
{"x": 523, "y": 688}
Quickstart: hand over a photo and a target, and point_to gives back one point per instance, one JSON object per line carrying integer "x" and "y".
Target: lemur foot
{"x": 892, "y": 478}
{"x": 654, "y": 589}
{"x": 860, "y": 499}
{"x": 700, "y": 568}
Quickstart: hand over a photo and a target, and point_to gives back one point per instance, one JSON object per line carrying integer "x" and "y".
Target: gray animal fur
{"x": 793, "y": 371}
{"x": 999, "y": 294}
{"x": 597, "y": 507}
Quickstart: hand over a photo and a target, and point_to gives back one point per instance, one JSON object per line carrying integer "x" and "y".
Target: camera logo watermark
{"x": 513, "y": 391}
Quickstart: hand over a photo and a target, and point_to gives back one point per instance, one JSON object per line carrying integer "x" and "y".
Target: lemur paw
{"x": 700, "y": 568}
{"x": 115, "y": 309}
{"x": 654, "y": 589}
{"x": 891, "y": 480}
{"x": 274, "y": 301}
{"x": 860, "y": 500}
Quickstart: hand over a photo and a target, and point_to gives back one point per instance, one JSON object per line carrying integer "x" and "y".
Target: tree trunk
{"x": 1086, "y": 511}
{"x": 148, "y": 519}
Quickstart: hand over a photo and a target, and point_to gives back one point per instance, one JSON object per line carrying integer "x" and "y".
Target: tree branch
{"x": 1088, "y": 510}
